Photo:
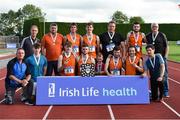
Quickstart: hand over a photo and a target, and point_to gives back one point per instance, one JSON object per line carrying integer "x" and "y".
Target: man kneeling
{"x": 18, "y": 75}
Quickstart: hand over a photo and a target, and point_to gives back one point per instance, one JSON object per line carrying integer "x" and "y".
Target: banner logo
{"x": 51, "y": 90}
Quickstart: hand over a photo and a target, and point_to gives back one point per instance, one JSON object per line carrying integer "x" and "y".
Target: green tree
{"x": 136, "y": 19}
{"x": 30, "y": 11}
{"x": 119, "y": 17}
{"x": 12, "y": 22}
{"x": 8, "y": 22}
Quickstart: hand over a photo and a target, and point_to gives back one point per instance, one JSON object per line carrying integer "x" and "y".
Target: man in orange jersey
{"x": 110, "y": 39}
{"x": 67, "y": 61}
{"x": 136, "y": 38}
{"x": 133, "y": 64}
{"x": 74, "y": 38}
{"x": 85, "y": 58}
{"x": 113, "y": 64}
{"x": 52, "y": 48}
{"x": 92, "y": 40}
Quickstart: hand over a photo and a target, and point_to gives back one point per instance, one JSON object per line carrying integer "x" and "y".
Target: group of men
{"x": 111, "y": 54}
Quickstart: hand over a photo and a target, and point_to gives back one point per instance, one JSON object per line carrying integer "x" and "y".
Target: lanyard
{"x": 153, "y": 63}
{"x": 37, "y": 61}
{"x": 154, "y": 37}
{"x": 53, "y": 38}
{"x": 32, "y": 40}
{"x": 115, "y": 61}
{"x": 90, "y": 38}
{"x": 67, "y": 55}
{"x": 136, "y": 37}
{"x": 99, "y": 67}
{"x": 111, "y": 36}
{"x": 133, "y": 60}
{"x": 73, "y": 38}
{"x": 84, "y": 59}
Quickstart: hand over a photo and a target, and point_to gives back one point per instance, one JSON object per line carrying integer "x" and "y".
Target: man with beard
{"x": 85, "y": 58}
{"x": 113, "y": 64}
{"x": 136, "y": 38}
{"x": 52, "y": 48}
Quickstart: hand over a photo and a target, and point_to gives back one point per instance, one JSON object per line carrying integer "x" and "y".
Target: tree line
{"x": 12, "y": 21}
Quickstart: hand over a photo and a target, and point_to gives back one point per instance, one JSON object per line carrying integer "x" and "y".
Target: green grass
{"x": 174, "y": 51}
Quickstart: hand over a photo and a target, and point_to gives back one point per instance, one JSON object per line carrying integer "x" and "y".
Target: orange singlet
{"x": 75, "y": 43}
{"x": 130, "y": 70}
{"x": 137, "y": 42}
{"x": 92, "y": 43}
{"x": 80, "y": 62}
{"x": 115, "y": 68}
{"x": 69, "y": 65}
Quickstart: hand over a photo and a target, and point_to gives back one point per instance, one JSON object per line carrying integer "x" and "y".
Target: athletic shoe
{"x": 29, "y": 102}
{"x": 23, "y": 99}
{"x": 8, "y": 102}
{"x": 166, "y": 96}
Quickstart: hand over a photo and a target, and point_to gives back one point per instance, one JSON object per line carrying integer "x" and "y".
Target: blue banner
{"x": 63, "y": 90}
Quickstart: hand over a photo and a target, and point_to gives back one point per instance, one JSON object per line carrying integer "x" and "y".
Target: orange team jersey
{"x": 80, "y": 62}
{"x": 53, "y": 49}
{"x": 92, "y": 45}
{"x": 69, "y": 65}
{"x": 138, "y": 44}
{"x": 75, "y": 43}
{"x": 115, "y": 69}
{"x": 130, "y": 70}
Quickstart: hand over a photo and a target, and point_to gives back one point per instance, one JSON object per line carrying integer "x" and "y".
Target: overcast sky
{"x": 161, "y": 11}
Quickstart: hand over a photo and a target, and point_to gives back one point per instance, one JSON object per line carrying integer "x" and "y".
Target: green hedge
{"x": 171, "y": 30}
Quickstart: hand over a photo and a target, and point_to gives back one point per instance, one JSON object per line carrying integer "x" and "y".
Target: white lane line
{"x": 4, "y": 98}
{"x": 174, "y": 80}
{"x": 47, "y": 112}
{"x": 111, "y": 112}
{"x": 2, "y": 78}
{"x": 171, "y": 108}
{"x": 173, "y": 68}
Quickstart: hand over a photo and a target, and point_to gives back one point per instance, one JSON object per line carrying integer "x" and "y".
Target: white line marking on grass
{"x": 174, "y": 80}
{"x": 2, "y": 78}
{"x": 174, "y": 68}
{"x": 111, "y": 112}
{"x": 47, "y": 112}
{"x": 171, "y": 108}
{"x": 4, "y": 98}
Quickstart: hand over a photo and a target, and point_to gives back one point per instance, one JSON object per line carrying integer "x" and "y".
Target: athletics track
{"x": 169, "y": 109}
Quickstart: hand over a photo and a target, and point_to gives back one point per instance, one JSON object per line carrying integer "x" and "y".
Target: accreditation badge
{"x": 75, "y": 49}
{"x": 110, "y": 47}
{"x": 68, "y": 70}
{"x": 115, "y": 72}
{"x": 137, "y": 48}
{"x": 92, "y": 48}
{"x": 87, "y": 70}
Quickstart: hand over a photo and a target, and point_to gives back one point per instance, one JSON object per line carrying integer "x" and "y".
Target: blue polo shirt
{"x": 36, "y": 70}
{"x": 19, "y": 70}
{"x": 154, "y": 69}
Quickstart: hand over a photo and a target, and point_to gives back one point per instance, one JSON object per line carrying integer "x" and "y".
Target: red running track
{"x": 155, "y": 110}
